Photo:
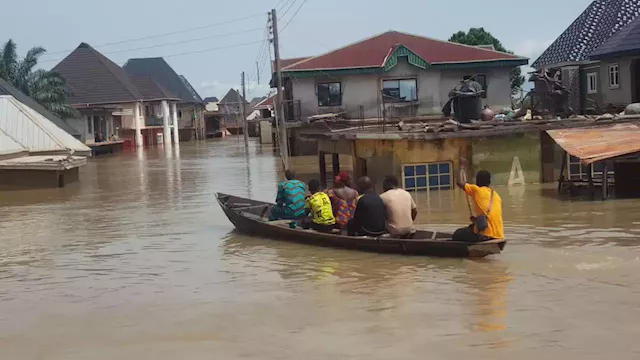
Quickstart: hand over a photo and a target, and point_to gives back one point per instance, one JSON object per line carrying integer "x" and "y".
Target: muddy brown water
{"x": 138, "y": 262}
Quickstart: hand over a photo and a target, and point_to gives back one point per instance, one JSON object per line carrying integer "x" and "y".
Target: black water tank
{"x": 467, "y": 107}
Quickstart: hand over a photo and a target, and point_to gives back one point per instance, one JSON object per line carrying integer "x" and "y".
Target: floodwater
{"x": 137, "y": 261}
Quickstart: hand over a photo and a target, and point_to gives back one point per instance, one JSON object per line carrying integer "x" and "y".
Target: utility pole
{"x": 245, "y": 126}
{"x": 258, "y": 72}
{"x": 284, "y": 149}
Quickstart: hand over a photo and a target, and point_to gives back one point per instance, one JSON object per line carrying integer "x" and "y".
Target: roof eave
{"x": 614, "y": 54}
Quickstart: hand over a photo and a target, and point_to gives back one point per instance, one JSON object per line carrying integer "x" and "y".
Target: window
{"x": 480, "y": 79}
{"x": 179, "y": 114}
{"x": 614, "y": 76}
{"x": 329, "y": 94}
{"x": 147, "y": 113}
{"x": 592, "y": 83}
{"x": 433, "y": 176}
{"x": 577, "y": 171}
{"x": 400, "y": 90}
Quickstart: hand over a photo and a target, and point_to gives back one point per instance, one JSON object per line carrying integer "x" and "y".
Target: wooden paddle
{"x": 463, "y": 179}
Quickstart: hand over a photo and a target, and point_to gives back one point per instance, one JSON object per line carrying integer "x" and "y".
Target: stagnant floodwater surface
{"x": 137, "y": 261}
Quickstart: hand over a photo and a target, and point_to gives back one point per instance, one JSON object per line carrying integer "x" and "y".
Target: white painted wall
{"x": 433, "y": 89}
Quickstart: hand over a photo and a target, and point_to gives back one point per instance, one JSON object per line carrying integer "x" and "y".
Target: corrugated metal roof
{"x": 32, "y": 130}
{"x": 8, "y": 145}
{"x": 601, "y": 143}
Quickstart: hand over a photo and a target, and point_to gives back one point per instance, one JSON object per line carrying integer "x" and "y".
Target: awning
{"x": 599, "y": 143}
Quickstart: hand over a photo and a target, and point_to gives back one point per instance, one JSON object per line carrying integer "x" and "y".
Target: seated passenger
{"x": 401, "y": 209}
{"x": 343, "y": 199}
{"x": 319, "y": 206}
{"x": 488, "y": 205}
{"x": 369, "y": 218}
{"x": 290, "y": 199}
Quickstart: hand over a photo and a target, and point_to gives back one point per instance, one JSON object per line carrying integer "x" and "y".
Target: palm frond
{"x": 8, "y": 60}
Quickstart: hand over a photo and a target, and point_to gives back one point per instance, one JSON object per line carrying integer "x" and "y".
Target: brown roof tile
{"x": 94, "y": 79}
{"x": 373, "y": 51}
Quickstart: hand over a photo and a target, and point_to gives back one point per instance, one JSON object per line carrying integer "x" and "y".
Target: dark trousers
{"x": 307, "y": 223}
{"x": 354, "y": 229}
{"x": 466, "y": 234}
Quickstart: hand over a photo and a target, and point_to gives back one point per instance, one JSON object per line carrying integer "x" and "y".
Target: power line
{"x": 167, "y": 44}
{"x": 289, "y": 8}
{"x": 166, "y": 34}
{"x": 294, "y": 15}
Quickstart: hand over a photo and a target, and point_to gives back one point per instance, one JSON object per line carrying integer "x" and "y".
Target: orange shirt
{"x": 481, "y": 197}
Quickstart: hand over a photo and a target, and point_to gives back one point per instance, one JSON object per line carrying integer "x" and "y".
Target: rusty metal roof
{"x": 598, "y": 143}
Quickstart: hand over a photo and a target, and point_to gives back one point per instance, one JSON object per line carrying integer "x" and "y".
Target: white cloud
{"x": 220, "y": 89}
{"x": 532, "y": 49}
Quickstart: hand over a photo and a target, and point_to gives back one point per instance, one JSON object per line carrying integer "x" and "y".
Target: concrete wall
{"x": 508, "y": 158}
{"x": 621, "y": 95}
{"x": 384, "y": 157}
{"x": 34, "y": 179}
{"x": 433, "y": 88}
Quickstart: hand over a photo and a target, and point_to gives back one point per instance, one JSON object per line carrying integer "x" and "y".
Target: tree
{"x": 479, "y": 36}
{"x": 47, "y": 88}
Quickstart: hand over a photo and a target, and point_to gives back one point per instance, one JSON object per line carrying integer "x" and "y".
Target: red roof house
{"x": 406, "y": 69}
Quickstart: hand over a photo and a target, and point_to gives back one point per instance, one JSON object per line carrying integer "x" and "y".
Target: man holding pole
{"x": 487, "y": 223}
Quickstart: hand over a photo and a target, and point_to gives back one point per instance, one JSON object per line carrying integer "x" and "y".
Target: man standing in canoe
{"x": 487, "y": 224}
{"x": 290, "y": 199}
{"x": 343, "y": 199}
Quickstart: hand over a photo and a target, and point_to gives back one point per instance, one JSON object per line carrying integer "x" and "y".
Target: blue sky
{"x": 212, "y": 59}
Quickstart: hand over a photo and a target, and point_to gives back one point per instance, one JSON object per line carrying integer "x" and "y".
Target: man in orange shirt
{"x": 488, "y": 204}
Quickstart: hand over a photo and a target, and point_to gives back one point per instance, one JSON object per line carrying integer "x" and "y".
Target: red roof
{"x": 372, "y": 52}
{"x": 266, "y": 103}
{"x": 288, "y": 62}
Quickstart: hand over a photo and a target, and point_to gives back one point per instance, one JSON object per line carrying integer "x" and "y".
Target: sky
{"x": 211, "y": 42}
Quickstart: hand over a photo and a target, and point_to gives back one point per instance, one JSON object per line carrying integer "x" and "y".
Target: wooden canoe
{"x": 251, "y": 217}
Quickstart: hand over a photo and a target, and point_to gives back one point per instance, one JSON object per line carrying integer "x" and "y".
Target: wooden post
{"x": 323, "y": 169}
{"x": 562, "y": 170}
{"x": 590, "y": 179}
{"x": 245, "y": 126}
{"x": 605, "y": 182}
{"x": 335, "y": 161}
{"x": 279, "y": 101}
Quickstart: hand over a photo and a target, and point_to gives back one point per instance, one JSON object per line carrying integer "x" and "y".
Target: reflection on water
{"x": 138, "y": 261}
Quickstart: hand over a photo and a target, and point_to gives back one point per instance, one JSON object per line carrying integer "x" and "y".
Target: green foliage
{"x": 479, "y": 36}
{"x": 46, "y": 87}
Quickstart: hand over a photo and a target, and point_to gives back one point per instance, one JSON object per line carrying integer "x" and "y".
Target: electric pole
{"x": 258, "y": 72}
{"x": 245, "y": 126}
{"x": 284, "y": 149}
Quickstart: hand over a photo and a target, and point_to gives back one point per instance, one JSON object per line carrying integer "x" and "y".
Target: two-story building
{"x": 115, "y": 104}
{"x": 393, "y": 72}
{"x": 596, "y": 56}
{"x": 190, "y": 108}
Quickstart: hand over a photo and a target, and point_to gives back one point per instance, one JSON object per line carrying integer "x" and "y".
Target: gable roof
{"x": 625, "y": 41}
{"x": 597, "y": 23}
{"x": 33, "y": 131}
{"x": 374, "y": 52}
{"x": 94, "y": 79}
{"x": 8, "y": 89}
{"x": 266, "y": 103}
{"x": 232, "y": 97}
{"x": 210, "y": 99}
{"x": 191, "y": 89}
{"x": 160, "y": 71}
{"x": 9, "y": 145}
{"x": 151, "y": 90}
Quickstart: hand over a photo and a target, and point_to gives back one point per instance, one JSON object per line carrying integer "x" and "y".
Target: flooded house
{"x": 596, "y": 57}
{"x": 430, "y": 157}
{"x": 190, "y": 109}
{"x": 390, "y": 76}
{"x": 35, "y": 151}
{"x": 118, "y": 109}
